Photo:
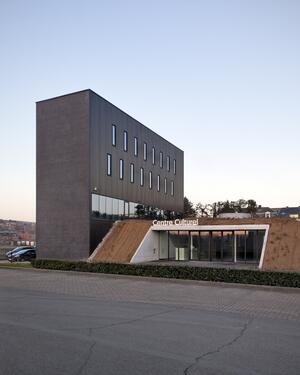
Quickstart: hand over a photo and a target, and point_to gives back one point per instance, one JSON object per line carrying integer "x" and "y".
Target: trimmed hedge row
{"x": 284, "y": 279}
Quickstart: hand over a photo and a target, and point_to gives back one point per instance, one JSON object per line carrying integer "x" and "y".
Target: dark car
{"x": 17, "y": 249}
{"x": 23, "y": 255}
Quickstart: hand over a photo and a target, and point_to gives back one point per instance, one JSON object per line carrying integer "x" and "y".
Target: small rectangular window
{"x": 121, "y": 169}
{"x": 125, "y": 141}
{"x": 172, "y": 188}
{"x": 153, "y": 155}
{"x": 113, "y": 135}
{"x": 168, "y": 163}
{"x": 142, "y": 177}
{"x": 109, "y": 167}
{"x": 174, "y": 166}
{"x": 150, "y": 180}
{"x": 145, "y": 151}
{"x": 161, "y": 161}
{"x": 132, "y": 173}
{"x": 165, "y": 186}
{"x": 135, "y": 146}
{"x": 158, "y": 183}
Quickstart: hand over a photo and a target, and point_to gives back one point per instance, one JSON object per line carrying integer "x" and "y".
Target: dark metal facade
{"x": 74, "y": 136}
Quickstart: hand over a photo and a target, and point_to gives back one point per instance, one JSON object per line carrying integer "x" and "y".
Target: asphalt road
{"x": 83, "y": 324}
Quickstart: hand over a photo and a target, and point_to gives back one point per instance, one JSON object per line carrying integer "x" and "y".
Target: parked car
{"x": 17, "y": 249}
{"x": 23, "y": 255}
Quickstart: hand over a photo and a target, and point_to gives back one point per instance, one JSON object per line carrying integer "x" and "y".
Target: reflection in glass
{"x": 195, "y": 245}
{"x": 95, "y": 202}
{"x": 172, "y": 246}
{"x": 163, "y": 245}
{"x": 182, "y": 251}
{"x": 240, "y": 245}
{"x": 216, "y": 245}
{"x": 204, "y": 246}
{"x": 228, "y": 244}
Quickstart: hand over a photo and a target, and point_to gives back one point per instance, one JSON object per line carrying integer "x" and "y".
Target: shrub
{"x": 256, "y": 277}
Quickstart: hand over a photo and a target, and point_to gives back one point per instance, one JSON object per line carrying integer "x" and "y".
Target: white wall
{"x": 148, "y": 249}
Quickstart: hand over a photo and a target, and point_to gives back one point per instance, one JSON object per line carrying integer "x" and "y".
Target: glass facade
{"x": 216, "y": 246}
{"x": 104, "y": 207}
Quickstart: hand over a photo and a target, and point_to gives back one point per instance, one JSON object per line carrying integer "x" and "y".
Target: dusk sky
{"x": 219, "y": 79}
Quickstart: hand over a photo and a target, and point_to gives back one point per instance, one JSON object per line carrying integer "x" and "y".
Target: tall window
{"x": 172, "y": 188}
{"x": 132, "y": 173}
{"x": 174, "y": 166}
{"x": 135, "y": 146}
{"x": 153, "y": 155}
{"x": 108, "y": 167}
{"x": 142, "y": 176}
{"x": 158, "y": 183}
{"x": 161, "y": 161}
{"x": 113, "y": 135}
{"x": 121, "y": 169}
{"x": 165, "y": 186}
{"x": 150, "y": 180}
{"x": 145, "y": 150}
{"x": 168, "y": 163}
{"x": 125, "y": 141}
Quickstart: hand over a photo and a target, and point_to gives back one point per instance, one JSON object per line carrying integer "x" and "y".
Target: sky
{"x": 219, "y": 79}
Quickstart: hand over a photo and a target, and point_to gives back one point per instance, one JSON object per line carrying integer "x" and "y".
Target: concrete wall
{"x": 63, "y": 177}
{"x": 148, "y": 249}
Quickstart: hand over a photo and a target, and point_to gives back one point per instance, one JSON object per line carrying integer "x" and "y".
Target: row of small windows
{"x": 145, "y": 153}
{"x": 142, "y": 176}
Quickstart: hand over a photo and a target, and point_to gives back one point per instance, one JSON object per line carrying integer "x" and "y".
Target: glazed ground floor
{"x": 208, "y": 245}
{"x": 218, "y": 243}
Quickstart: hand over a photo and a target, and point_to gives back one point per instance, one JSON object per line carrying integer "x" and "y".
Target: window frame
{"x": 153, "y": 155}
{"x": 125, "y": 140}
{"x": 121, "y": 169}
{"x": 161, "y": 159}
{"x": 114, "y": 135}
{"x": 142, "y": 177}
{"x": 131, "y": 173}
{"x": 108, "y": 164}
{"x": 135, "y": 146}
{"x": 145, "y": 151}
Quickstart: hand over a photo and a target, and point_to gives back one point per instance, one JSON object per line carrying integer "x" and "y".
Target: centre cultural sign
{"x": 182, "y": 222}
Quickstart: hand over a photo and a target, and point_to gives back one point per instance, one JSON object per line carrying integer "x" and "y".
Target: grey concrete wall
{"x": 63, "y": 177}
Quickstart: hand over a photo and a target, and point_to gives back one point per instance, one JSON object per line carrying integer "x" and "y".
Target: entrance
{"x": 215, "y": 246}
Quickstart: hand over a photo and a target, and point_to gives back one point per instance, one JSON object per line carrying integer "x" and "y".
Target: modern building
{"x": 96, "y": 165}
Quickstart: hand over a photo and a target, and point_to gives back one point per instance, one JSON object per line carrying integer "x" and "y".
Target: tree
{"x": 188, "y": 209}
{"x": 202, "y": 210}
{"x": 251, "y": 206}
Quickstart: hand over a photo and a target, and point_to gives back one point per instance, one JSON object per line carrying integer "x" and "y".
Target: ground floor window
{"x": 224, "y": 246}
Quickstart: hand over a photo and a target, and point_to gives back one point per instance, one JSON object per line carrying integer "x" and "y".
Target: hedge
{"x": 255, "y": 277}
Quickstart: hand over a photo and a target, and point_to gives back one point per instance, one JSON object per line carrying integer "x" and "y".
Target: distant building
{"x": 234, "y": 215}
{"x": 264, "y": 212}
{"x": 292, "y": 212}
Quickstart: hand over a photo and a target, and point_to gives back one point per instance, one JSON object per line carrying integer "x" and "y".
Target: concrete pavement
{"x": 76, "y": 323}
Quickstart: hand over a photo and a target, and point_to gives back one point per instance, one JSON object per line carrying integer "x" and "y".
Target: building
{"x": 264, "y": 243}
{"x": 292, "y": 212}
{"x": 96, "y": 165}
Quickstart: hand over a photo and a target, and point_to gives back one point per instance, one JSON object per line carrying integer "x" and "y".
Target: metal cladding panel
{"x": 63, "y": 177}
{"x": 103, "y": 115}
